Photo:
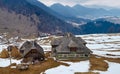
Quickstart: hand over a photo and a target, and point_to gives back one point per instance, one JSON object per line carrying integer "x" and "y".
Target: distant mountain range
{"x": 90, "y": 20}
{"x": 31, "y": 17}
{"x": 82, "y": 11}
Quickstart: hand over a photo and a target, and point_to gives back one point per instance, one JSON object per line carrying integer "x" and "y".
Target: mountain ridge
{"x": 34, "y": 15}
{"x": 24, "y": 18}
{"x": 82, "y": 11}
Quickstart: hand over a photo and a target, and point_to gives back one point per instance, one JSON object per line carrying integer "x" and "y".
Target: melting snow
{"x": 3, "y": 47}
{"x": 6, "y": 62}
{"x": 98, "y": 43}
{"x": 114, "y": 68}
{"x": 74, "y": 67}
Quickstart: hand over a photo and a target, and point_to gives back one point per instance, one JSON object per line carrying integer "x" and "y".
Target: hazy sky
{"x": 106, "y": 3}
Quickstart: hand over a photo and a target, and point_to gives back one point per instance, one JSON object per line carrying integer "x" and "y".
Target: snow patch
{"x": 6, "y": 62}
{"x": 82, "y": 66}
{"x": 113, "y": 69}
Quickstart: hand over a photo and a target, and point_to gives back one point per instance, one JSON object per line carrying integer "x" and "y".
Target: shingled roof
{"x": 29, "y": 45}
{"x": 69, "y": 40}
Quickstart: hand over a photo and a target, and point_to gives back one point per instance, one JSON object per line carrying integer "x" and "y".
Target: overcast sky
{"x": 106, "y": 3}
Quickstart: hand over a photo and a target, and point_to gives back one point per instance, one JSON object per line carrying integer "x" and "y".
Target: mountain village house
{"x": 32, "y": 52}
{"x": 69, "y": 47}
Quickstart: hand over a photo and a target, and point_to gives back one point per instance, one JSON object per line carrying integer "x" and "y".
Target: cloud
{"x": 64, "y": 2}
{"x": 109, "y": 3}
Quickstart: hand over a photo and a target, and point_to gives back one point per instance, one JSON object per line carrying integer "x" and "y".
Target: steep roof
{"x": 81, "y": 40}
{"x": 29, "y": 45}
{"x": 69, "y": 40}
{"x": 73, "y": 44}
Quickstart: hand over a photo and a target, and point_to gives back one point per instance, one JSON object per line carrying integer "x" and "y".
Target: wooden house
{"x": 69, "y": 47}
{"x": 31, "y": 51}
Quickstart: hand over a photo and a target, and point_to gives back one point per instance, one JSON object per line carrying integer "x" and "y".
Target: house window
{"x": 86, "y": 55}
{"x": 73, "y": 49}
{"x": 22, "y": 51}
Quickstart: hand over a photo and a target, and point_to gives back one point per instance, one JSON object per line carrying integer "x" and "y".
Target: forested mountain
{"x": 23, "y": 18}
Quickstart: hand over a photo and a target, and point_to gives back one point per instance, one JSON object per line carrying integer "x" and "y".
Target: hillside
{"x": 20, "y": 17}
{"x": 31, "y": 18}
{"x": 100, "y": 26}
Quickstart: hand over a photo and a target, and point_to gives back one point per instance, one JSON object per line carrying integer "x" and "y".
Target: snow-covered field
{"x": 113, "y": 69}
{"x": 74, "y": 67}
{"x": 107, "y": 45}
{"x": 6, "y": 62}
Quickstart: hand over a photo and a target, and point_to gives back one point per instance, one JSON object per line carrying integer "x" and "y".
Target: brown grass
{"x": 75, "y": 59}
{"x": 113, "y": 50}
{"x": 87, "y": 73}
{"x": 34, "y": 69}
{"x": 98, "y": 64}
{"x": 48, "y": 54}
{"x": 116, "y": 60}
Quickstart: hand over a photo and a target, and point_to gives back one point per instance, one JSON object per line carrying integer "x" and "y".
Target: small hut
{"x": 69, "y": 47}
{"x": 31, "y": 52}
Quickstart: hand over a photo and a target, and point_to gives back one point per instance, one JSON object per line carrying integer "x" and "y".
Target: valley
{"x": 105, "y": 48}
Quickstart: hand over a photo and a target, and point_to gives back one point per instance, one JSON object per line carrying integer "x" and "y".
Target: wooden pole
{"x": 9, "y": 51}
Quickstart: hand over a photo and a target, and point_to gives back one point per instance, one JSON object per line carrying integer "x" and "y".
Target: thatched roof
{"x": 73, "y": 44}
{"x": 81, "y": 40}
{"x": 29, "y": 45}
{"x": 67, "y": 41}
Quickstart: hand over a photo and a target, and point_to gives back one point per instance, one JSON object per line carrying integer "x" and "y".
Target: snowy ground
{"x": 83, "y": 67}
{"x": 74, "y": 67}
{"x": 103, "y": 44}
{"x": 6, "y": 62}
{"x": 3, "y": 47}
{"x": 114, "y": 68}
{"x": 100, "y": 44}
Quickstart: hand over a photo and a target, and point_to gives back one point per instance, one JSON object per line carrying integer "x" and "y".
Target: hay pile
{"x": 14, "y": 53}
{"x": 4, "y": 54}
